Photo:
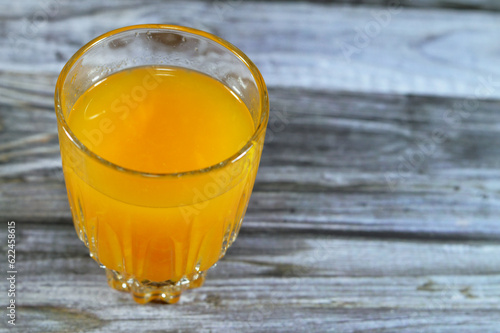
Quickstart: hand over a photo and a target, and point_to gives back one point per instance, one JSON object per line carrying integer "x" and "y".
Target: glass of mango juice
{"x": 161, "y": 129}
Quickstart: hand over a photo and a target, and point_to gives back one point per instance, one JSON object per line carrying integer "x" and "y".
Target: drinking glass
{"x": 156, "y": 234}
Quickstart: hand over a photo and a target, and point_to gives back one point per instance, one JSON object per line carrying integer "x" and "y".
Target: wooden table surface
{"x": 377, "y": 203}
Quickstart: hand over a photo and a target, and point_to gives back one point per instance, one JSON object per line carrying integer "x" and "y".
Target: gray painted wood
{"x": 334, "y": 162}
{"x": 272, "y": 281}
{"x": 371, "y": 212}
{"x": 302, "y": 45}
{"x": 451, "y": 4}
{"x": 327, "y": 244}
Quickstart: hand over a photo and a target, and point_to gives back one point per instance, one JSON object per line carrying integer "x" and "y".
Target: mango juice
{"x": 138, "y": 198}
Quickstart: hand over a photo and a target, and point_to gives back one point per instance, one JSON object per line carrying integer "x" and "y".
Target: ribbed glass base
{"x": 147, "y": 291}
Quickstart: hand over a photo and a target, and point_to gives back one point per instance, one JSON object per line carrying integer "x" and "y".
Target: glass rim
{"x": 259, "y": 80}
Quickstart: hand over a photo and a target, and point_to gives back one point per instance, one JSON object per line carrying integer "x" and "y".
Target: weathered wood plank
{"x": 271, "y": 282}
{"x": 454, "y": 4}
{"x": 29, "y": 7}
{"x": 332, "y": 162}
{"x": 429, "y": 4}
{"x": 295, "y": 44}
{"x": 246, "y": 305}
{"x": 260, "y": 253}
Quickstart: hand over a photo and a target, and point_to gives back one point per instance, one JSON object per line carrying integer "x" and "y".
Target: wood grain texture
{"x": 274, "y": 281}
{"x": 295, "y": 44}
{"x": 335, "y": 162}
{"x": 489, "y": 5}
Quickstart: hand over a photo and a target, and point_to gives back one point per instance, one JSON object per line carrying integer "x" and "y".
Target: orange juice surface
{"x": 161, "y": 120}
{"x": 157, "y": 120}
